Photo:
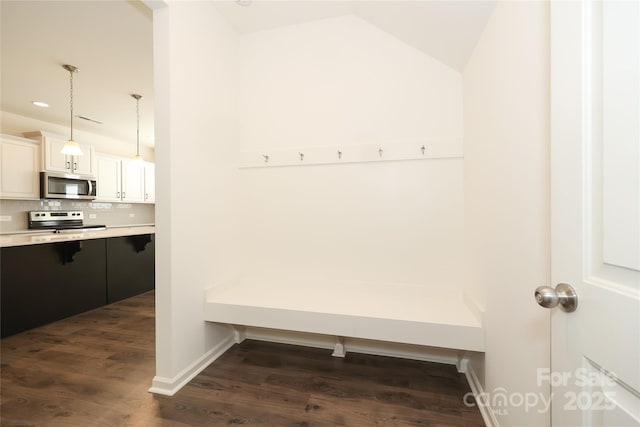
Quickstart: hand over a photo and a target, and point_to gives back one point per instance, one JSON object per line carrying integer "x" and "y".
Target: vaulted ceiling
{"x": 446, "y": 30}
{"x": 111, "y": 43}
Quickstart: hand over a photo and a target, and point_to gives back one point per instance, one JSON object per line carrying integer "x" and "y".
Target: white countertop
{"x": 35, "y": 238}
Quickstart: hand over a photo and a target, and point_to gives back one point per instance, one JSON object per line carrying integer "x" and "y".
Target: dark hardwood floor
{"x": 94, "y": 369}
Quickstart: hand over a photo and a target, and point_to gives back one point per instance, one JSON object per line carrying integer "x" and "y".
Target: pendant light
{"x": 137, "y": 157}
{"x": 71, "y": 148}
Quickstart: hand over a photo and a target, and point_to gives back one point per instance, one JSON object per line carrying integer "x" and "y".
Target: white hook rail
{"x": 392, "y": 151}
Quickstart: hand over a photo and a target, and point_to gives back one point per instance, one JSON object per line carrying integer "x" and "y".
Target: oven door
{"x": 67, "y": 186}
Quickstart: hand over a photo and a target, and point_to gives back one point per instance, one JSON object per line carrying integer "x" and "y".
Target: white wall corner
{"x": 162, "y": 385}
{"x": 155, "y": 4}
{"x": 473, "y": 305}
{"x": 170, "y": 386}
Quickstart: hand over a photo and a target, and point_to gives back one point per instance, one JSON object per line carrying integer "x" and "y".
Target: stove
{"x": 59, "y": 221}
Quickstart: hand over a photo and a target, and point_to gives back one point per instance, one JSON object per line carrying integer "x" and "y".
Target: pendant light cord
{"x": 138, "y": 126}
{"x": 71, "y": 102}
{"x": 71, "y": 148}
{"x": 137, "y": 98}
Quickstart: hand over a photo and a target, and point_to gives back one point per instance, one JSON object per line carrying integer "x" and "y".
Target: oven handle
{"x": 90, "y": 187}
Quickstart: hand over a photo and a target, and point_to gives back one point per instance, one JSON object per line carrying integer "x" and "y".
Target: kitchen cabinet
{"x": 123, "y": 180}
{"x": 54, "y": 161}
{"x": 132, "y": 181}
{"x": 56, "y": 289}
{"x": 19, "y": 168}
{"x": 130, "y": 266}
{"x": 71, "y": 277}
{"x": 149, "y": 182}
{"x": 108, "y": 178}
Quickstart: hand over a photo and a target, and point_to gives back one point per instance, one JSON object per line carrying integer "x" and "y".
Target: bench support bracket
{"x": 338, "y": 348}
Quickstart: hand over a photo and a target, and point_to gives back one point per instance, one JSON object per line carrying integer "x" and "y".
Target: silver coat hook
{"x": 380, "y": 151}
{"x": 266, "y": 158}
{"x": 422, "y": 149}
{"x": 301, "y": 156}
{"x": 339, "y": 154}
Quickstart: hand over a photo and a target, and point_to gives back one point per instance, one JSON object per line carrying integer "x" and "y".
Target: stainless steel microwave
{"x": 67, "y": 186}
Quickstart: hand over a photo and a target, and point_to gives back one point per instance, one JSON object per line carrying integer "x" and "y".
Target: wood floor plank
{"x": 94, "y": 369}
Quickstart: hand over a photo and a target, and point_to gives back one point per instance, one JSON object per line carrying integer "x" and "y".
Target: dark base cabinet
{"x": 130, "y": 266}
{"x": 44, "y": 283}
{"x": 40, "y": 284}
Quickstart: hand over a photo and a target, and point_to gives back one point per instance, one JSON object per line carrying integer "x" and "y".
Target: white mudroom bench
{"x": 434, "y": 316}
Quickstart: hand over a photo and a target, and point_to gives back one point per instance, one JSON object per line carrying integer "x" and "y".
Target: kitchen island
{"x": 47, "y": 276}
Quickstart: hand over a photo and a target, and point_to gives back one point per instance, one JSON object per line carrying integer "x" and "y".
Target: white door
{"x": 595, "y": 199}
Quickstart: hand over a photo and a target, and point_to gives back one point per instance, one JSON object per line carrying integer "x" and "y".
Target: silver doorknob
{"x": 563, "y": 295}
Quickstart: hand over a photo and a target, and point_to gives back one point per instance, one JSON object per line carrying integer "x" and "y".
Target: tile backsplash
{"x": 13, "y": 213}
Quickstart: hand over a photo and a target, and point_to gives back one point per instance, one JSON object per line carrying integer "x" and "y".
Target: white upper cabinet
{"x": 20, "y": 165}
{"x": 132, "y": 181}
{"x": 124, "y": 180}
{"x": 108, "y": 178}
{"x": 55, "y": 161}
{"x": 149, "y": 182}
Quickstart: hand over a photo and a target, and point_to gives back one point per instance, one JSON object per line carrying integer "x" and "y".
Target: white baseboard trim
{"x": 476, "y": 388}
{"x": 289, "y": 337}
{"x": 425, "y": 354}
{"x": 170, "y": 386}
{"x": 355, "y": 345}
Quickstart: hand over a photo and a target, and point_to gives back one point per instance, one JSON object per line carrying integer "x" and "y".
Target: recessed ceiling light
{"x": 40, "y": 104}
{"x": 243, "y": 2}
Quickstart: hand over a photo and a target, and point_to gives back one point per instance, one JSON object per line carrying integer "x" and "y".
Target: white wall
{"x": 342, "y": 81}
{"x": 194, "y": 54}
{"x": 506, "y": 107}
{"x": 328, "y": 82}
{"x": 15, "y": 124}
